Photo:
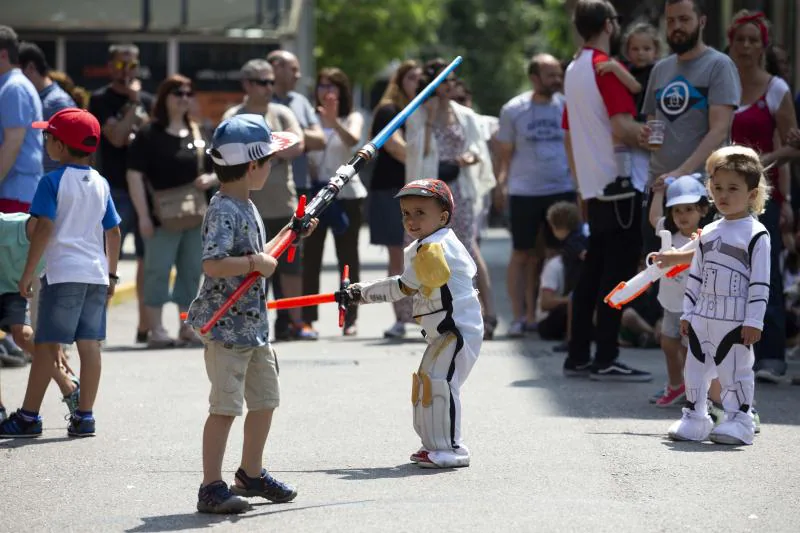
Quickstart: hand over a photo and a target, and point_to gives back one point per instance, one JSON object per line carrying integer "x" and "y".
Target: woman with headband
{"x": 762, "y": 122}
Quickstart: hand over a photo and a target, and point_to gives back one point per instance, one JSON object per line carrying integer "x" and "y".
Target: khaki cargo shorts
{"x": 241, "y": 373}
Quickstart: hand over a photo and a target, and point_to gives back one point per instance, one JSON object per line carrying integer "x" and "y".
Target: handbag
{"x": 448, "y": 171}
{"x": 184, "y": 207}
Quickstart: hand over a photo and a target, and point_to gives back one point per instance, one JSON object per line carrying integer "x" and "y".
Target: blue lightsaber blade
{"x": 345, "y": 173}
{"x": 327, "y": 195}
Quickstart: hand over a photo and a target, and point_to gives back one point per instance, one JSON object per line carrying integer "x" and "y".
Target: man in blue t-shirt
{"x": 54, "y": 98}
{"x": 20, "y": 145}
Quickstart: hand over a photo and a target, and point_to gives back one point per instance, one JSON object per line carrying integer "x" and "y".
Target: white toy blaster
{"x": 627, "y": 291}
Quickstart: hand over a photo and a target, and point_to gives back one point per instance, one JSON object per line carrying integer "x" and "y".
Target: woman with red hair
{"x": 763, "y": 121}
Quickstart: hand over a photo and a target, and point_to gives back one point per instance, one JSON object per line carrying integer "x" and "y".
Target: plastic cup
{"x": 656, "y": 137}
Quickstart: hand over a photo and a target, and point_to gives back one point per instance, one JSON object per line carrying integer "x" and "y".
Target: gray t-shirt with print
{"x": 680, "y": 93}
{"x": 232, "y": 228}
{"x": 539, "y": 164}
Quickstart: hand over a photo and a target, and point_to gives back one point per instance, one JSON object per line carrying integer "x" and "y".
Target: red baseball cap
{"x": 429, "y": 188}
{"x": 77, "y": 128}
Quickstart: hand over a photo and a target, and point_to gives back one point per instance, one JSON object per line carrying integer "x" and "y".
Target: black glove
{"x": 348, "y": 297}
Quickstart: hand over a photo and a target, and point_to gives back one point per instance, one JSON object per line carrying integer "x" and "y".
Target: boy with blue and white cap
{"x": 240, "y": 363}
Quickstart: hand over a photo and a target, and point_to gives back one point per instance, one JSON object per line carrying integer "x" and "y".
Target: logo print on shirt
{"x": 679, "y": 97}
{"x": 85, "y": 179}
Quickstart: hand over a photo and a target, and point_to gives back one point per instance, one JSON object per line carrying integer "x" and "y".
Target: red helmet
{"x": 430, "y": 189}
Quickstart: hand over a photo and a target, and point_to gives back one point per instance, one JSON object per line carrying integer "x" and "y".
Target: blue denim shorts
{"x": 70, "y": 312}
{"x": 13, "y": 311}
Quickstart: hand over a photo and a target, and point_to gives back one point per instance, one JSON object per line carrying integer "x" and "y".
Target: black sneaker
{"x": 617, "y": 371}
{"x": 81, "y": 426}
{"x": 264, "y": 486}
{"x": 576, "y": 370}
{"x": 217, "y": 498}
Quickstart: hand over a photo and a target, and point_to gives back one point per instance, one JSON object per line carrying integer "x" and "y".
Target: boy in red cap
{"x": 75, "y": 215}
{"x": 438, "y": 276}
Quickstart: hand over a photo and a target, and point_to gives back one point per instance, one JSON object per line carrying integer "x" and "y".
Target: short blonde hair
{"x": 745, "y": 162}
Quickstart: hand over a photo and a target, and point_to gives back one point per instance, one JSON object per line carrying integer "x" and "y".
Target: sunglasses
{"x": 182, "y": 94}
{"x": 263, "y": 83}
{"x": 123, "y": 65}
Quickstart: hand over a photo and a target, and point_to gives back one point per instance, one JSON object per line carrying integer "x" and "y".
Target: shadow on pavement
{"x": 390, "y": 472}
{"x": 19, "y": 443}
{"x": 185, "y": 521}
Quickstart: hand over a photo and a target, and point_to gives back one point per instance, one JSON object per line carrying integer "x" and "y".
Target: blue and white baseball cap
{"x": 686, "y": 190}
{"x": 247, "y": 137}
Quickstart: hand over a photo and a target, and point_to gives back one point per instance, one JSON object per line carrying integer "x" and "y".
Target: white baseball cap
{"x": 247, "y": 137}
{"x": 686, "y": 190}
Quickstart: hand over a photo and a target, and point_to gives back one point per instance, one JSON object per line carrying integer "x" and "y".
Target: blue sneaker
{"x": 217, "y": 498}
{"x": 81, "y": 426}
{"x": 16, "y": 427}
{"x": 265, "y": 486}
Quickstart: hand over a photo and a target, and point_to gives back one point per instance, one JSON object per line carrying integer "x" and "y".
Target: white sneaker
{"x": 692, "y": 427}
{"x": 458, "y": 458}
{"x": 397, "y": 331}
{"x": 739, "y": 428}
{"x": 517, "y": 329}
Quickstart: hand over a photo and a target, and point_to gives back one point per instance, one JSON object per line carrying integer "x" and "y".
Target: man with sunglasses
{"x": 122, "y": 108}
{"x": 277, "y": 200}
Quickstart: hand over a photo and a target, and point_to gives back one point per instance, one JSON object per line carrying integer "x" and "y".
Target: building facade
{"x": 206, "y": 40}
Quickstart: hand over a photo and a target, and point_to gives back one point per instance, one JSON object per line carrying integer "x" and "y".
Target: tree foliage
{"x": 362, "y": 36}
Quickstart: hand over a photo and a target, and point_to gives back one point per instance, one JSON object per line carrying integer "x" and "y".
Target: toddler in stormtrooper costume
{"x": 438, "y": 276}
{"x": 725, "y": 300}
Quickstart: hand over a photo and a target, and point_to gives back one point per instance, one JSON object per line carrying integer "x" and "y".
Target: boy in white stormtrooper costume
{"x": 725, "y": 300}
{"x": 438, "y": 276}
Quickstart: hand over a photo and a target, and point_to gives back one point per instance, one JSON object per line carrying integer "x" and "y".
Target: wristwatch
{"x": 114, "y": 278}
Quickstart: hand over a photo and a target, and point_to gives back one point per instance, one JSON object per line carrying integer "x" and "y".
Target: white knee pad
{"x": 431, "y": 401}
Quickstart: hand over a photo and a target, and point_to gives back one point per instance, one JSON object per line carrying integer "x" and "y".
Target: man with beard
{"x": 534, "y": 174}
{"x": 600, "y": 131}
{"x": 694, "y": 92}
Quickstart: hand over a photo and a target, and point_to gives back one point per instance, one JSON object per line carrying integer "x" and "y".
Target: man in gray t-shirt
{"x": 693, "y": 91}
{"x": 533, "y": 173}
{"x": 287, "y": 74}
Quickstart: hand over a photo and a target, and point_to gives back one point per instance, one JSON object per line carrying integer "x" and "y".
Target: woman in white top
{"x": 445, "y": 141}
{"x": 343, "y": 127}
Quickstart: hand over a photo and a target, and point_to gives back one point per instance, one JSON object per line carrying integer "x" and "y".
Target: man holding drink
{"x": 690, "y": 99}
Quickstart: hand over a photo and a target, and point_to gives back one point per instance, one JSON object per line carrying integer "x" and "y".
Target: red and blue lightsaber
{"x": 327, "y": 195}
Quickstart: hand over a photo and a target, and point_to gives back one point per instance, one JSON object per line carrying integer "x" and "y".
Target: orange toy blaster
{"x": 627, "y": 291}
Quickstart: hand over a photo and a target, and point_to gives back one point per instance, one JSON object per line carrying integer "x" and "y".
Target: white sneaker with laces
{"x": 397, "y": 331}
{"x": 691, "y": 427}
{"x": 739, "y": 428}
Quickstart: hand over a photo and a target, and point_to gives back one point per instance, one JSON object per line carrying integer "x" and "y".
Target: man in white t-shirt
{"x": 600, "y": 131}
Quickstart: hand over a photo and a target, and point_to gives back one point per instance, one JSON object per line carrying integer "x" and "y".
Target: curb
{"x": 127, "y": 291}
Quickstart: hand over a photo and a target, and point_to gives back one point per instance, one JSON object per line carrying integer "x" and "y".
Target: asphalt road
{"x": 548, "y": 454}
